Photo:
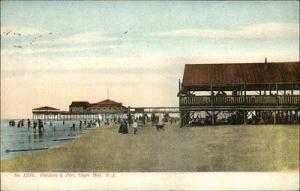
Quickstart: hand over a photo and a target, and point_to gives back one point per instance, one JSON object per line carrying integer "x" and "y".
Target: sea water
{"x": 14, "y": 138}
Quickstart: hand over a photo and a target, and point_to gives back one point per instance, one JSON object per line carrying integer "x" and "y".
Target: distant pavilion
{"x": 106, "y": 109}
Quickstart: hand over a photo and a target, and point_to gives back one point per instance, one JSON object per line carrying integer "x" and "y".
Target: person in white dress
{"x": 135, "y": 127}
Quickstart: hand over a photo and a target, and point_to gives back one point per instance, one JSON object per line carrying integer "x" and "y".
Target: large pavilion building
{"x": 103, "y": 110}
{"x": 240, "y": 93}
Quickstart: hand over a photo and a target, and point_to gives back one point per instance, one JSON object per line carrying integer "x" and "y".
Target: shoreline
{"x": 55, "y": 142}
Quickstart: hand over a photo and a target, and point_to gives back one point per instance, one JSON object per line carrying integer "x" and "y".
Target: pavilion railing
{"x": 228, "y": 100}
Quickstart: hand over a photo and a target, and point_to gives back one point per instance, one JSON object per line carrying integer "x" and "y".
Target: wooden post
{"x": 276, "y": 89}
{"x": 144, "y": 118}
{"x": 212, "y": 117}
{"x": 245, "y": 117}
{"x": 183, "y": 120}
{"x": 241, "y": 92}
{"x": 211, "y": 94}
{"x": 245, "y": 93}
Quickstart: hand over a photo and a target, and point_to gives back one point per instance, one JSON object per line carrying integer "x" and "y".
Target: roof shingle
{"x": 249, "y": 73}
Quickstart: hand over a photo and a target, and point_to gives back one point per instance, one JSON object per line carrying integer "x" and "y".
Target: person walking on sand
{"x": 135, "y": 127}
{"x": 123, "y": 127}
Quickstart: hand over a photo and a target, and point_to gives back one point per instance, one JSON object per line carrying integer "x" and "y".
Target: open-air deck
{"x": 255, "y": 92}
{"x": 241, "y": 100}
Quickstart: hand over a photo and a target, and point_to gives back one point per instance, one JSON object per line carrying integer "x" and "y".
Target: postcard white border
{"x": 151, "y": 181}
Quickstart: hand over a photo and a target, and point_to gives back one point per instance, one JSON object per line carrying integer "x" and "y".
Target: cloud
{"x": 12, "y": 31}
{"x": 51, "y": 43}
{"x": 267, "y": 30}
{"x": 37, "y": 50}
{"x": 92, "y": 67}
{"x": 78, "y": 38}
{"x": 10, "y": 51}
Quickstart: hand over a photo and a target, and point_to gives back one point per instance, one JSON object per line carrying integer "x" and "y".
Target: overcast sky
{"x": 53, "y": 53}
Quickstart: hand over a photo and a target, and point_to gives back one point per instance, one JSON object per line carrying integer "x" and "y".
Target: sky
{"x": 55, "y": 52}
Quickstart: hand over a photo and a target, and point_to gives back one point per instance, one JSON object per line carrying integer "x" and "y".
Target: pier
{"x": 48, "y": 113}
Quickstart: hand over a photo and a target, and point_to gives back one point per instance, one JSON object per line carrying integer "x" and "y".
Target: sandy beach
{"x": 214, "y": 148}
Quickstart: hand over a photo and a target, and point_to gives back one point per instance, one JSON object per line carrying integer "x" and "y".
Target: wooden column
{"x": 212, "y": 117}
{"x": 245, "y": 117}
{"x": 241, "y": 92}
{"x": 144, "y": 117}
{"x": 181, "y": 119}
{"x": 211, "y": 94}
{"x": 245, "y": 93}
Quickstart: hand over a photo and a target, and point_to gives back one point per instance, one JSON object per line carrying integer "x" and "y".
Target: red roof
{"x": 107, "y": 102}
{"x": 46, "y": 108}
{"x": 256, "y": 73}
{"x": 80, "y": 104}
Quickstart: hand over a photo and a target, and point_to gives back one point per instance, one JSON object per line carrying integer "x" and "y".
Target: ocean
{"x": 14, "y": 138}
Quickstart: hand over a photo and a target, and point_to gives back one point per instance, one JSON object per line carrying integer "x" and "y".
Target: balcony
{"x": 248, "y": 100}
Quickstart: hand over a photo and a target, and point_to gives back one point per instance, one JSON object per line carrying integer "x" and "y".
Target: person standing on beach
{"x": 80, "y": 125}
{"x": 28, "y": 123}
{"x": 40, "y": 126}
{"x": 34, "y": 126}
{"x": 135, "y": 127}
{"x": 123, "y": 127}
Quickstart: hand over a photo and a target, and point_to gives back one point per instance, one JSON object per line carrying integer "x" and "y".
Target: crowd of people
{"x": 124, "y": 121}
{"x": 158, "y": 121}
